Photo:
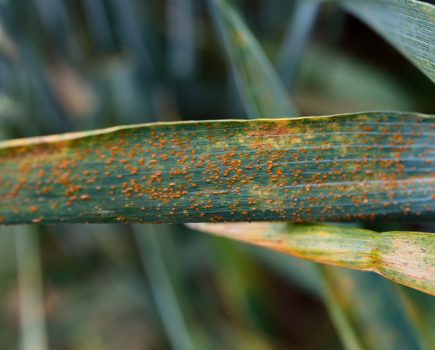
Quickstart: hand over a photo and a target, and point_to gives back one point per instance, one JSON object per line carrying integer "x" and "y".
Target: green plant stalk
{"x": 403, "y": 257}
{"x": 345, "y": 167}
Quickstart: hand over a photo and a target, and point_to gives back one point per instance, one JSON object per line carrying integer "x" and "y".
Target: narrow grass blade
{"x": 98, "y": 22}
{"x": 421, "y": 311}
{"x": 33, "y": 329}
{"x": 327, "y": 84}
{"x": 299, "y": 29}
{"x": 372, "y": 307}
{"x": 404, "y": 257}
{"x": 408, "y": 25}
{"x": 262, "y": 93}
{"x": 305, "y": 169}
{"x": 339, "y": 313}
{"x": 162, "y": 288}
{"x": 181, "y": 56}
{"x": 130, "y": 33}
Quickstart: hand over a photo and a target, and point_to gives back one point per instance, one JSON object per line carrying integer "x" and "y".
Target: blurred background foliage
{"x": 86, "y": 64}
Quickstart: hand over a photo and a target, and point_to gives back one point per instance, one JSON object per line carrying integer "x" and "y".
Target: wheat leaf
{"x": 344, "y": 167}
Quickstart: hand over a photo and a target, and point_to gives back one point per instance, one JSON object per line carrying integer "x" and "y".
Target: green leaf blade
{"x": 301, "y": 169}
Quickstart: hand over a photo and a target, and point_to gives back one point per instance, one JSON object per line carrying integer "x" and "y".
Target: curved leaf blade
{"x": 262, "y": 92}
{"x": 408, "y": 25}
{"x": 301, "y": 169}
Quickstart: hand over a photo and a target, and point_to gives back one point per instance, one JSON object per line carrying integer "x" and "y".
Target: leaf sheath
{"x": 403, "y": 257}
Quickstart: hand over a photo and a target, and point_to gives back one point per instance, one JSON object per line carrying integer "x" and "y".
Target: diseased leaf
{"x": 404, "y": 257}
{"x": 408, "y": 25}
{"x": 305, "y": 169}
{"x": 261, "y": 91}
